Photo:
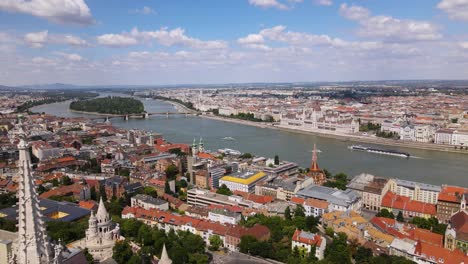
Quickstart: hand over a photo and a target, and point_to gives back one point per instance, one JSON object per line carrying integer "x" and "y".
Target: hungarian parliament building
{"x": 317, "y": 120}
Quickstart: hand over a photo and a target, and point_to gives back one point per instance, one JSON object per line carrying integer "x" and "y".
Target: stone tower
{"x": 165, "y": 257}
{"x": 101, "y": 234}
{"x": 201, "y": 146}
{"x": 33, "y": 245}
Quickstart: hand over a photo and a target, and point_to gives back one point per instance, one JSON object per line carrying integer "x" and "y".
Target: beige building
{"x": 422, "y": 192}
{"x": 370, "y": 188}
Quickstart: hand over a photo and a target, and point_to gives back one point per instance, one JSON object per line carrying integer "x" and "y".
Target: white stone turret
{"x": 92, "y": 230}
{"x": 102, "y": 216}
{"x": 33, "y": 245}
{"x": 100, "y": 235}
{"x": 164, "y": 257}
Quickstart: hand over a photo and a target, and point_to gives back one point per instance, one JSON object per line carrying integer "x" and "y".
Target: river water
{"x": 425, "y": 166}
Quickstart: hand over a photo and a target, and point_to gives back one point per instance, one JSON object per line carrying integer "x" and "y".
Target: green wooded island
{"x": 113, "y": 105}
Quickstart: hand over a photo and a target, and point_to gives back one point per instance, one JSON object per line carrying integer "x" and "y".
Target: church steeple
{"x": 314, "y": 166}
{"x": 33, "y": 245}
{"x": 201, "y": 147}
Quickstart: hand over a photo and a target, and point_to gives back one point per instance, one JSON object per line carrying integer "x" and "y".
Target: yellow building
{"x": 243, "y": 182}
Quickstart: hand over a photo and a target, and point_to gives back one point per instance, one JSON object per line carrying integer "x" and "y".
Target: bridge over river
{"x": 142, "y": 115}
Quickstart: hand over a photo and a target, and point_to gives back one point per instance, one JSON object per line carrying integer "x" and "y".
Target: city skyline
{"x": 154, "y": 43}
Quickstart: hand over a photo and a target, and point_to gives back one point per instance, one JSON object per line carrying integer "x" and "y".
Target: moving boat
{"x": 380, "y": 151}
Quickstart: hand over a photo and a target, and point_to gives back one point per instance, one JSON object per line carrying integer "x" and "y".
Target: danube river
{"x": 425, "y": 166}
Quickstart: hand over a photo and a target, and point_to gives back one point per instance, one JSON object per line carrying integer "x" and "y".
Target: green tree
{"x": 125, "y": 172}
{"x": 215, "y": 242}
{"x": 55, "y": 182}
{"x": 385, "y": 213}
{"x": 102, "y": 192}
{"x": 89, "y": 257}
{"x": 93, "y": 193}
{"x": 400, "y": 217}
{"x": 122, "y": 252}
{"x": 148, "y": 190}
{"x": 7, "y": 200}
{"x": 246, "y": 243}
{"x": 130, "y": 227}
{"x": 223, "y": 189}
{"x": 287, "y": 213}
{"x": 167, "y": 188}
{"x": 246, "y": 156}
{"x": 277, "y": 161}
{"x": 66, "y": 180}
{"x": 338, "y": 251}
{"x": 429, "y": 224}
{"x": 363, "y": 255}
{"x": 171, "y": 172}
{"x": 311, "y": 223}
{"x": 198, "y": 258}
{"x": 299, "y": 211}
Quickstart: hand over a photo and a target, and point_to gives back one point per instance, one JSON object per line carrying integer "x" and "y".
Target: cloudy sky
{"x": 220, "y": 41}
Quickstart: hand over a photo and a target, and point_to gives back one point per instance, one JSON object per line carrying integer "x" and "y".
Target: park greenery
{"x": 182, "y": 247}
{"x": 338, "y": 181}
{"x": 7, "y": 200}
{"x": 109, "y": 105}
{"x": 246, "y": 156}
{"x": 278, "y": 247}
{"x": 369, "y": 126}
{"x": 429, "y": 224}
{"x": 385, "y": 213}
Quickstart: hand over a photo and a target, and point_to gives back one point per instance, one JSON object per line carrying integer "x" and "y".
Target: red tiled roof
{"x": 260, "y": 199}
{"x": 297, "y": 200}
{"x": 403, "y": 203}
{"x": 439, "y": 254}
{"x": 403, "y": 230}
{"x": 451, "y": 193}
{"x": 316, "y": 203}
{"x": 90, "y": 205}
{"x": 317, "y": 240}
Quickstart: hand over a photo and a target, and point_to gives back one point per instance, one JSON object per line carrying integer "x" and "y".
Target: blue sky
{"x": 220, "y": 41}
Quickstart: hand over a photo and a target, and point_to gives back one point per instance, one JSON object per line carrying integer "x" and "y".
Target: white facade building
{"x": 422, "y": 192}
{"x": 305, "y": 241}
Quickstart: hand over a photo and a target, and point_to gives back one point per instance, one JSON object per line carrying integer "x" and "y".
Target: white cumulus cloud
{"x": 268, "y": 4}
{"x": 251, "y": 39}
{"x": 146, "y": 10}
{"x": 323, "y": 2}
{"x": 116, "y": 40}
{"x": 455, "y": 9}
{"x": 36, "y": 39}
{"x": 389, "y": 28}
{"x": 57, "y": 11}
{"x": 41, "y": 38}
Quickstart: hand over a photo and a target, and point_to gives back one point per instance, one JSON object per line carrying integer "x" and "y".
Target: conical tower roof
{"x": 164, "y": 257}
{"x": 102, "y": 214}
